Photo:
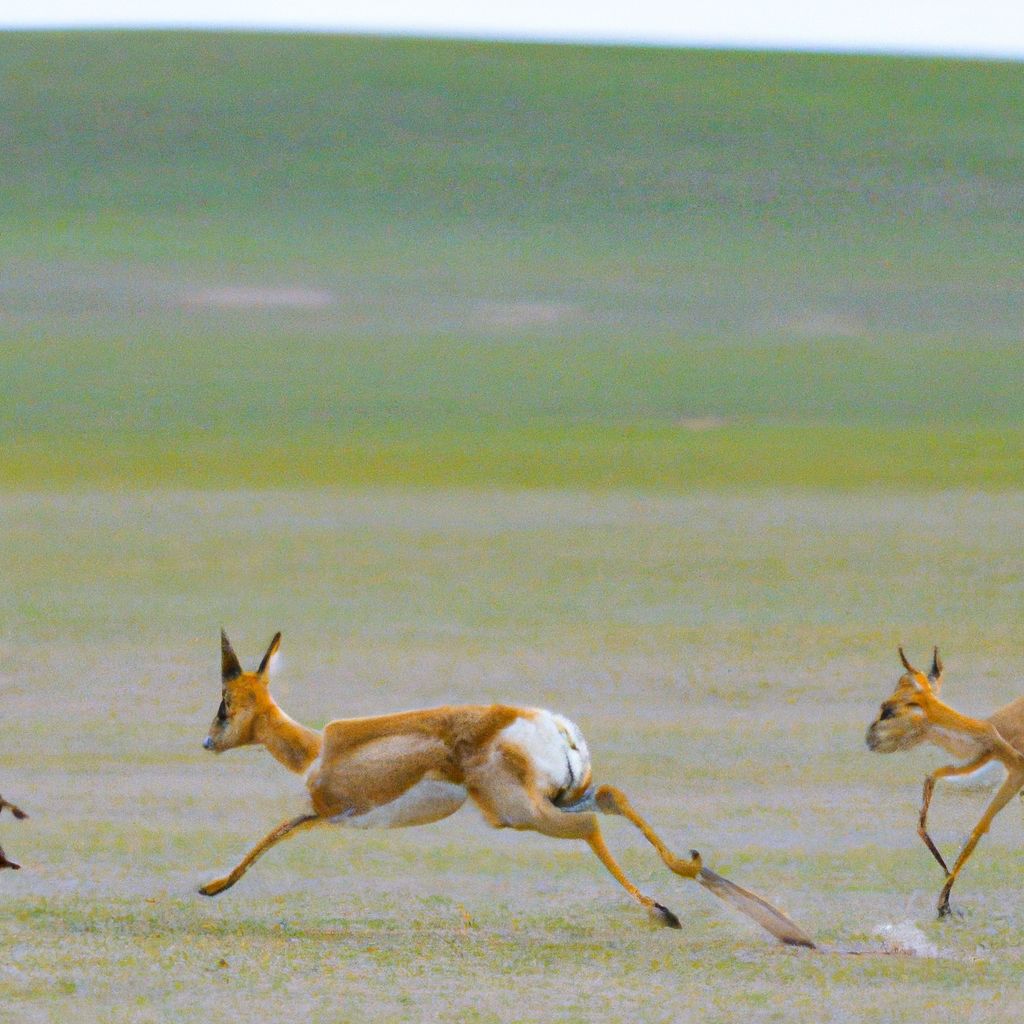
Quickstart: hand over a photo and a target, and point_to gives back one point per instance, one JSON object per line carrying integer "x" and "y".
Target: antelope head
{"x": 245, "y": 699}
{"x": 903, "y": 720}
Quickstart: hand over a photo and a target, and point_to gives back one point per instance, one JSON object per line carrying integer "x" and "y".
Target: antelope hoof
{"x": 665, "y": 916}
{"x": 687, "y": 868}
{"x": 218, "y": 885}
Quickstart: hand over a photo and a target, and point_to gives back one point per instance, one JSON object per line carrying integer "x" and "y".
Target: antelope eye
{"x": 222, "y": 712}
{"x": 886, "y": 713}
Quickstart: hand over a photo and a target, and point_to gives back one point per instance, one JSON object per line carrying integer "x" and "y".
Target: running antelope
{"x": 524, "y": 768}
{"x": 914, "y": 714}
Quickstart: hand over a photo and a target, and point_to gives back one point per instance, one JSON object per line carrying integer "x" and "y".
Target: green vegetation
{"x": 668, "y": 389}
{"x": 232, "y": 260}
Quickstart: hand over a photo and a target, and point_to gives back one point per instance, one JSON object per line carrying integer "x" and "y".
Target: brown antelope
{"x": 524, "y": 768}
{"x": 18, "y": 813}
{"x": 914, "y": 714}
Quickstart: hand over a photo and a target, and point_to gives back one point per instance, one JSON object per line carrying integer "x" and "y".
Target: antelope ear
{"x": 935, "y": 675}
{"x": 906, "y": 664}
{"x": 275, "y": 646}
{"x": 229, "y": 666}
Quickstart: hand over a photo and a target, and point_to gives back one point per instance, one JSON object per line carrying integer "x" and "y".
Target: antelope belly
{"x": 429, "y": 800}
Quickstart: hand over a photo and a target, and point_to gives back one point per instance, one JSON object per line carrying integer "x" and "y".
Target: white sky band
{"x": 985, "y": 28}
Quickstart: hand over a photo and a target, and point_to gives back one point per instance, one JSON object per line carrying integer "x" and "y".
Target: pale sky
{"x": 979, "y": 28}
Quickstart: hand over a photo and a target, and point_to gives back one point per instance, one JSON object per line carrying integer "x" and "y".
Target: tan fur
{"x": 505, "y": 758}
{"x": 1009, "y": 720}
{"x": 914, "y": 714}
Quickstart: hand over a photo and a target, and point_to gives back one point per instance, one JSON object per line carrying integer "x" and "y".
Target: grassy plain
{"x": 238, "y": 260}
{"x": 668, "y": 389}
{"x": 722, "y": 653}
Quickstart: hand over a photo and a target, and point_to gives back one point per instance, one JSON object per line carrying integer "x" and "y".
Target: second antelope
{"x": 524, "y": 768}
{"x": 914, "y": 714}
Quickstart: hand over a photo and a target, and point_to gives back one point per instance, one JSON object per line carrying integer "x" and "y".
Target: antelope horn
{"x": 906, "y": 664}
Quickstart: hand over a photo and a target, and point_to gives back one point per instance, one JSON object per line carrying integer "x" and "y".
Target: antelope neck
{"x": 288, "y": 741}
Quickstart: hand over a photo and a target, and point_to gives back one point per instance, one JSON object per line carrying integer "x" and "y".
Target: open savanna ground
{"x": 722, "y": 653}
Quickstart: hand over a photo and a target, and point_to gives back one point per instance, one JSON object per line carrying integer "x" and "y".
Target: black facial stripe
{"x": 222, "y": 712}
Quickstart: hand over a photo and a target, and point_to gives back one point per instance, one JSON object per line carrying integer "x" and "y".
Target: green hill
{"x": 234, "y": 259}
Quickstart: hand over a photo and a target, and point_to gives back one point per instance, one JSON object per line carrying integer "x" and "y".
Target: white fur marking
{"x": 988, "y": 776}
{"x": 555, "y": 747}
{"x": 429, "y": 800}
{"x": 957, "y": 743}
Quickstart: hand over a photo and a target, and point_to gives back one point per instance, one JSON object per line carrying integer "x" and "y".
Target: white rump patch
{"x": 905, "y": 939}
{"x": 555, "y": 747}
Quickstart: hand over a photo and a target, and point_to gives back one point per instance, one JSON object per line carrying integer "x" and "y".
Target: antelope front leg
{"x": 1006, "y": 792}
{"x": 16, "y": 811}
{"x": 283, "y": 831}
{"x": 950, "y": 771}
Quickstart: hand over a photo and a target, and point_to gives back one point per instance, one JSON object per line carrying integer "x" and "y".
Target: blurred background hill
{"x": 231, "y": 259}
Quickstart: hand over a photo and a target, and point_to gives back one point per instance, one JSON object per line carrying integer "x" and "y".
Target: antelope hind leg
{"x": 613, "y": 801}
{"x": 658, "y": 910}
{"x": 506, "y": 802}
